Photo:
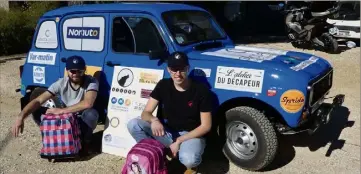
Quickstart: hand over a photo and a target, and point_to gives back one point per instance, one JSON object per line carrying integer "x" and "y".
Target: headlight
{"x": 333, "y": 30}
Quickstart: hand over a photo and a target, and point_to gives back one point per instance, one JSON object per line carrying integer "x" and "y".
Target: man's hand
{"x": 174, "y": 147}
{"x": 157, "y": 128}
{"x": 55, "y": 111}
{"x": 18, "y": 127}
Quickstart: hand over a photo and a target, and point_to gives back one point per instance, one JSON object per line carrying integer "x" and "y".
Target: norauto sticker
{"x": 292, "y": 101}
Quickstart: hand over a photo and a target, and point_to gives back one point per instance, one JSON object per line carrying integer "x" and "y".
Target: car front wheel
{"x": 251, "y": 140}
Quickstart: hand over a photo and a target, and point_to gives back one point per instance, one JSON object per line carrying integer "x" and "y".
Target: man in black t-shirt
{"x": 186, "y": 118}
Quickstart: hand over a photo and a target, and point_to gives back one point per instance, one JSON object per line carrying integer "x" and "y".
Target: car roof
{"x": 154, "y": 8}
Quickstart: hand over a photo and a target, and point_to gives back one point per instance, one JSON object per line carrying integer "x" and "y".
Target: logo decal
{"x": 114, "y": 100}
{"x": 83, "y": 32}
{"x": 292, "y": 101}
{"x": 190, "y": 103}
{"x": 39, "y": 74}
{"x": 125, "y": 77}
{"x": 114, "y": 122}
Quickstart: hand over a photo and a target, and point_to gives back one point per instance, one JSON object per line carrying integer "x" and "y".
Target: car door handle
{"x": 63, "y": 59}
{"x": 110, "y": 63}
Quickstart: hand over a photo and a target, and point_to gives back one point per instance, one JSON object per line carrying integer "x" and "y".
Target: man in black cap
{"x": 78, "y": 93}
{"x": 187, "y": 107}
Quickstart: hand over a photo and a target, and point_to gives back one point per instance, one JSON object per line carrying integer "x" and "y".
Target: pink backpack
{"x": 146, "y": 157}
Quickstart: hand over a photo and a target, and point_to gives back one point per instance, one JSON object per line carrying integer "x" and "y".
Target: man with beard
{"x": 187, "y": 106}
{"x": 78, "y": 93}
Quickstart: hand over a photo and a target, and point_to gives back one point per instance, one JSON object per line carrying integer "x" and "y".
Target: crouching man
{"x": 187, "y": 108}
{"x": 78, "y": 92}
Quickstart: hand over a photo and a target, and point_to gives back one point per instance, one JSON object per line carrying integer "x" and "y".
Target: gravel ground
{"x": 335, "y": 149}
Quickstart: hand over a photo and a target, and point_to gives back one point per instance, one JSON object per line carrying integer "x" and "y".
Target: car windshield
{"x": 188, "y": 26}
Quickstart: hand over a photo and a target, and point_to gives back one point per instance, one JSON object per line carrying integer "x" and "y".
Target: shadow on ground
{"x": 213, "y": 162}
{"x": 328, "y": 133}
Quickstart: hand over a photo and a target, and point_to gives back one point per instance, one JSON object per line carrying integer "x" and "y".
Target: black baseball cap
{"x": 178, "y": 59}
{"x": 75, "y": 62}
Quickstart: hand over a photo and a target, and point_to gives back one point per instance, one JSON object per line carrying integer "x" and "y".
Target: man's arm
{"x": 149, "y": 109}
{"x": 35, "y": 104}
{"x": 87, "y": 103}
{"x": 205, "y": 127}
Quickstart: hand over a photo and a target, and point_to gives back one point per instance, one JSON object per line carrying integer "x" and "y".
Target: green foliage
{"x": 17, "y": 26}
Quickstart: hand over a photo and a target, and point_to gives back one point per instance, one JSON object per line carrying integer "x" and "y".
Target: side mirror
{"x": 158, "y": 54}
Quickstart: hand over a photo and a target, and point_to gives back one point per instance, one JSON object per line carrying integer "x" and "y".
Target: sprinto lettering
{"x": 297, "y": 100}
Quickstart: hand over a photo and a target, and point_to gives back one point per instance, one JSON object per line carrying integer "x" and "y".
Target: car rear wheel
{"x": 251, "y": 140}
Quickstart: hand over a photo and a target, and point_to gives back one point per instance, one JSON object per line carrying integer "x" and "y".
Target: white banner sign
{"x": 239, "y": 79}
{"x": 46, "y": 58}
{"x": 128, "y": 96}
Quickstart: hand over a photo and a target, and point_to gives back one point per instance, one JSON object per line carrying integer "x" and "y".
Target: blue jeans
{"x": 88, "y": 120}
{"x": 190, "y": 151}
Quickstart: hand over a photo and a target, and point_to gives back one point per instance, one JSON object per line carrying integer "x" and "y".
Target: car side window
{"x": 122, "y": 38}
{"x": 136, "y": 34}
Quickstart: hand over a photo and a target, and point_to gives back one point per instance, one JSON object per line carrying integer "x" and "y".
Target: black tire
{"x": 264, "y": 135}
{"x": 37, "y": 92}
{"x": 331, "y": 44}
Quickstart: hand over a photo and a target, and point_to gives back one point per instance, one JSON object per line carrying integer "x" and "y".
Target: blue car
{"x": 259, "y": 93}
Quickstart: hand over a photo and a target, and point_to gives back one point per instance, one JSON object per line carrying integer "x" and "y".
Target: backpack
{"x": 146, "y": 157}
{"x": 60, "y": 136}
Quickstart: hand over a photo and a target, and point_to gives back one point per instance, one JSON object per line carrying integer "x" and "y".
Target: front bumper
{"x": 320, "y": 117}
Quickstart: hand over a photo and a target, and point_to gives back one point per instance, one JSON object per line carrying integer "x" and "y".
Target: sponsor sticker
{"x": 39, "y": 74}
{"x": 292, "y": 101}
{"x": 149, "y": 78}
{"x": 202, "y": 72}
{"x": 145, "y": 93}
{"x": 83, "y": 32}
{"x": 239, "y": 79}
{"x": 305, "y": 64}
{"x": 46, "y": 58}
{"x": 233, "y": 53}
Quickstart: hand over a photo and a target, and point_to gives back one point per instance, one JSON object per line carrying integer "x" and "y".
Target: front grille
{"x": 320, "y": 87}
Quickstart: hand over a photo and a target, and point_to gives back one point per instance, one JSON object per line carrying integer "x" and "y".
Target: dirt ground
{"x": 334, "y": 149}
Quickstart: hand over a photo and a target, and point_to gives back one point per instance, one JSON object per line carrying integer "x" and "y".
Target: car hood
{"x": 290, "y": 62}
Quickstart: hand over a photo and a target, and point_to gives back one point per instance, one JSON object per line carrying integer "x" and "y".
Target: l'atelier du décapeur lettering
{"x": 241, "y": 78}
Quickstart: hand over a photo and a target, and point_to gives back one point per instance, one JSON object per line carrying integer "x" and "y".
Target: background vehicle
{"x": 347, "y": 24}
{"x": 307, "y": 26}
{"x": 255, "y": 94}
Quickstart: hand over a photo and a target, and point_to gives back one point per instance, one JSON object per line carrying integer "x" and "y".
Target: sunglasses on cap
{"x": 74, "y": 71}
{"x": 176, "y": 69}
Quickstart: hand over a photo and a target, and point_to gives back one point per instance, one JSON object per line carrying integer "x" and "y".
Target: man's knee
{"x": 190, "y": 159}
{"x": 90, "y": 117}
{"x": 134, "y": 125}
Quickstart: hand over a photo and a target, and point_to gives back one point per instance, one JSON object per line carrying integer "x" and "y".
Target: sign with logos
{"x": 239, "y": 79}
{"x": 292, "y": 101}
{"x": 46, "y": 58}
{"x": 39, "y": 74}
{"x": 129, "y": 94}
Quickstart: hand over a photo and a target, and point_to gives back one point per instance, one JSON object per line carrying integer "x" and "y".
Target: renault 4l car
{"x": 259, "y": 92}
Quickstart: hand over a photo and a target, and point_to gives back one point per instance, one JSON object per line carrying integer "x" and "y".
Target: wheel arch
{"x": 269, "y": 111}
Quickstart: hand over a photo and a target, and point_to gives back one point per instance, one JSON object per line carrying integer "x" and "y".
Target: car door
{"x": 84, "y": 35}
{"x": 132, "y": 36}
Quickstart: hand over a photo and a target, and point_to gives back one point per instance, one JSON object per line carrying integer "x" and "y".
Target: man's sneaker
{"x": 191, "y": 171}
